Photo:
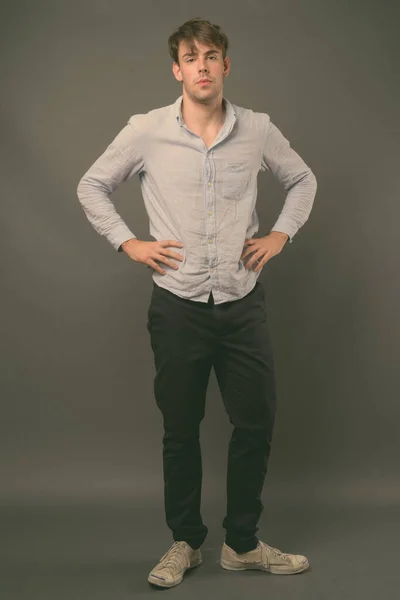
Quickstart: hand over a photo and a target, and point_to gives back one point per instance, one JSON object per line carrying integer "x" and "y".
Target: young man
{"x": 198, "y": 161}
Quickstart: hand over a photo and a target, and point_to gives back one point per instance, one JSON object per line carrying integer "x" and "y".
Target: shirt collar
{"x": 230, "y": 111}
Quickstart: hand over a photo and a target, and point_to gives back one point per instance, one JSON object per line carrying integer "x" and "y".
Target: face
{"x": 205, "y": 63}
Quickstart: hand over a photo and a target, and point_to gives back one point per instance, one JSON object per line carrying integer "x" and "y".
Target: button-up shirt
{"x": 202, "y": 197}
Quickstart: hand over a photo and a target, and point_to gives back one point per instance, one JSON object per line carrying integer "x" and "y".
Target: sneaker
{"x": 263, "y": 558}
{"x": 169, "y": 571}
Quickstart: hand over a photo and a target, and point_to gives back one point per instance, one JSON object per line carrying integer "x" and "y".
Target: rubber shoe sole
{"x": 159, "y": 582}
{"x": 274, "y": 569}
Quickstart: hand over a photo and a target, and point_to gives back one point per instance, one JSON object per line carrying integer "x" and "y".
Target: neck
{"x": 203, "y": 114}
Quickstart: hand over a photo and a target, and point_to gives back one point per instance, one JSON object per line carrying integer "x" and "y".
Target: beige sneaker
{"x": 169, "y": 571}
{"x": 263, "y": 558}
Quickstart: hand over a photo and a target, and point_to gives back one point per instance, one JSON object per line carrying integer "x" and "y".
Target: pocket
{"x": 235, "y": 178}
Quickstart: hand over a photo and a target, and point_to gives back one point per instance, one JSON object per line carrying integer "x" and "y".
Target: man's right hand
{"x": 149, "y": 252}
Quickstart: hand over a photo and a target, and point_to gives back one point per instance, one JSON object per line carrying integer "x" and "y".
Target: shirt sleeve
{"x": 121, "y": 159}
{"x": 296, "y": 177}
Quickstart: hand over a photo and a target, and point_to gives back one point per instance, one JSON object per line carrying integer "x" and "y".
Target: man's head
{"x": 198, "y": 49}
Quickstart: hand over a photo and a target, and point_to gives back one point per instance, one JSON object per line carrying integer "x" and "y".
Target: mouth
{"x": 204, "y": 81}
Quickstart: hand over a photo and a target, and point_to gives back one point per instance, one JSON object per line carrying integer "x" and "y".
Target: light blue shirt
{"x": 202, "y": 197}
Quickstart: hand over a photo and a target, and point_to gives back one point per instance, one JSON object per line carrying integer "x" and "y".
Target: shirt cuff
{"x": 282, "y": 230}
{"x": 120, "y": 234}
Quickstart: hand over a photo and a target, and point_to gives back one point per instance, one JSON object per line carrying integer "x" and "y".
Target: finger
{"x": 246, "y": 255}
{"x": 173, "y": 254}
{"x": 262, "y": 263}
{"x": 257, "y": 256}
{"x": 155, "y": 267}
{"x": 258, "y": 268}
{"x": 247, "y": 251}
{"x": 175, "y": 243}
{"x": 164, "y": 259}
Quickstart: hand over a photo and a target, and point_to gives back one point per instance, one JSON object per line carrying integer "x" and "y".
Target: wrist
{"x": 124, "y": 244}
{"x": 280, "y": 235}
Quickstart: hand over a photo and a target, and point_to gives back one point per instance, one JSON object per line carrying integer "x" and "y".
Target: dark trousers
{"x": 188, "y": 338}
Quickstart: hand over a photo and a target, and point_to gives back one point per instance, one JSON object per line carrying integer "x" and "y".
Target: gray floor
{"x": 105, "y": 551}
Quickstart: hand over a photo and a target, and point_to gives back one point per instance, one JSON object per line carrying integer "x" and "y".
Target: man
{"x": 198, "y": 161}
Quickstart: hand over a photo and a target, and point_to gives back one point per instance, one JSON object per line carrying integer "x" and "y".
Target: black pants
{"x": 188, "y": 338}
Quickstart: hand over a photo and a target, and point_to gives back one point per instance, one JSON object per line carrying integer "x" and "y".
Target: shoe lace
{"x": 278, "y": 552}
{"x": 174, "y": 555}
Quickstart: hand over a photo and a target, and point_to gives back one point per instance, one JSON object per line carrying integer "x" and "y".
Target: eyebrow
{"x": 193, "y": 53}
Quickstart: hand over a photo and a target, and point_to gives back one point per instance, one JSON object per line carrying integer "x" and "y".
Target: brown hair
{"x": 201, "y": 30}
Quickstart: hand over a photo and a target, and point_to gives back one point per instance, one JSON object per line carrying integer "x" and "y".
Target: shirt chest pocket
{"x": 235, "y": 179}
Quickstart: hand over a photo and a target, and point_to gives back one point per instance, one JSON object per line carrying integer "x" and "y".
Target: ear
{"x": 177, "y": 71}
{"x": 227, "y": 66}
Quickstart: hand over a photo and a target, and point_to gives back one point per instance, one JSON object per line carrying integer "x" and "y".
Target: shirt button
{"x": 212, "y": 270}
{"x": 210, "y": 241}
{"x": 209, "y": 183}
{"x": 210, "y": 214}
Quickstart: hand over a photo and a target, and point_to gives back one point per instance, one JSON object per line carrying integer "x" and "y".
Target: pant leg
{"x": 183, "y": 344}
{"x": 244, "y": 368}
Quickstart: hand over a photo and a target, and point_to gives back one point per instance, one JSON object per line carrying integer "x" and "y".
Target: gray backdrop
{"x": 80, "y": 460}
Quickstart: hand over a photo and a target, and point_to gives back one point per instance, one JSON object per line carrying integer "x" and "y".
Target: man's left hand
{"x": 262, "y": 249}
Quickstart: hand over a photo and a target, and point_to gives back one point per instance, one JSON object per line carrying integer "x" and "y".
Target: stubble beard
{"x": 200, "y": 98}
